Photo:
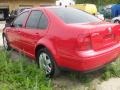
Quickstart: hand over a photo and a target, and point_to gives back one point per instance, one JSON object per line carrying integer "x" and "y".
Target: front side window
{"x": 33, "y": 19}
{"x": 71, "y": 15}
{"x": 20, "y": 19}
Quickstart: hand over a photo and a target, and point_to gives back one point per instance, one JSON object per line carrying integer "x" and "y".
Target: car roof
{"x": 48, "y": 7}
{"x": 44, "y": 7}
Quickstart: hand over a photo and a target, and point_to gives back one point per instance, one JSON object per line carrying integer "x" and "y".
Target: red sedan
{"x": 58, "y": 37}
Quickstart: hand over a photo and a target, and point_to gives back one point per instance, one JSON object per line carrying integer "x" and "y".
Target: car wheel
{"x": 117, "y": 21}
{"x": 46, "y": 62}
{"x": 5, "y": 43}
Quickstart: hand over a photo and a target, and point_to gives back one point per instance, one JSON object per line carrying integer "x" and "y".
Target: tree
{"x": 99, "y": 2}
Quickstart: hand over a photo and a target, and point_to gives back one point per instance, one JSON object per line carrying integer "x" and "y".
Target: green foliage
{"x": 113, "y": 70}
{"x": 22, "y": 75}
{"x": 99, "y": 2}
{"x": 19, "y": 75}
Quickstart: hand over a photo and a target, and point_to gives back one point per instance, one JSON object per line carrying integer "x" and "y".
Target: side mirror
{"x": 7, "y": 20}
{"x": 12, "y": 25}
{"x": 9, "y": 23}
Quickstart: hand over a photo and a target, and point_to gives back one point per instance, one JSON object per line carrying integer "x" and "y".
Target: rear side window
{"x": 33, "y": 19}
{"x": 43, "y": 22}
{"x": 18, "y": 22}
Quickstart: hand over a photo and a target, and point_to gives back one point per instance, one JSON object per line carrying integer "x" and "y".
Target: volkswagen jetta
{"x": 58, "y": 37}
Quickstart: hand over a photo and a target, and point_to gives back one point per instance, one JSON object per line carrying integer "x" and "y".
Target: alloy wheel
{"x": 5, "y": 42}
{"x": 45, "y": 63}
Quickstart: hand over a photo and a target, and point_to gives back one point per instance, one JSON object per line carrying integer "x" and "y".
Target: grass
{"x": 19, "y": 75}
{"x": 112, "y": 70}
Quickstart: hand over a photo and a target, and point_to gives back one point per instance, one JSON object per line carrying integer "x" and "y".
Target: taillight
{"x": 84, "y": 42}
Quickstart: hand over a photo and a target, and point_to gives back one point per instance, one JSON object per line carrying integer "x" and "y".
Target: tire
{"x": 52, "y": 69}
{"x": 6, "y": 43}
{"x": 117, "y": 21}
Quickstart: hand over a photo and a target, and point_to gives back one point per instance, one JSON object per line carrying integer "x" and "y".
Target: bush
{"x": 19, "y": 75}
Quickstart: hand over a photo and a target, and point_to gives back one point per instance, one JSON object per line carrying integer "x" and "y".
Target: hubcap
{"x": 5, "y": 42}
{"x": 45, "y": 63}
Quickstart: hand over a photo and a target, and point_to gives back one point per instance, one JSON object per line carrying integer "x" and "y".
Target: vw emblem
{"x": 110, "y": 29}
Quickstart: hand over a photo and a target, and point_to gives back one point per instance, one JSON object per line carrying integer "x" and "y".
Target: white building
{"x": 65, "y": 3}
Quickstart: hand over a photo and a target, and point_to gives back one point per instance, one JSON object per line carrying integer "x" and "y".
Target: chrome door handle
{"x": 7, "y": 30}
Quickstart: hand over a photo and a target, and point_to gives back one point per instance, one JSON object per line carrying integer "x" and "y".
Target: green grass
{"x": 19, "y": 75}
{"x": 112, "y": 70}
{"x": 22, "y": 75}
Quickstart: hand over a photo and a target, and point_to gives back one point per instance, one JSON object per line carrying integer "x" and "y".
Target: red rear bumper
{"x": 90, "y": 63}
{"x": 91, "y": 60}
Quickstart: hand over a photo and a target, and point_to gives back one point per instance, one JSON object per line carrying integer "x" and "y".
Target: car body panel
{"x": 64, "y": 40}
{"x": 13, "y": 35}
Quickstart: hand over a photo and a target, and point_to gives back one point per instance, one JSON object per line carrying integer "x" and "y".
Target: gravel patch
{"x": 111, "y": 84}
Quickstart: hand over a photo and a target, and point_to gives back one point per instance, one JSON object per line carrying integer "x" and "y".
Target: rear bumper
{"x": 95, "y": 62}
{"x": 92, "y": 60}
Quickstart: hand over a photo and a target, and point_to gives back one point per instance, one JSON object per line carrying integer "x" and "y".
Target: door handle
{"x": 36, "y": 33}
{"x": 18, "y": 31}
{"x": 7, "y": 30}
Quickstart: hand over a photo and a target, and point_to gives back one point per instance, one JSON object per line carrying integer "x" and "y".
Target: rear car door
{"x": 14, "y": 32}
{"x": 36, "y": 27}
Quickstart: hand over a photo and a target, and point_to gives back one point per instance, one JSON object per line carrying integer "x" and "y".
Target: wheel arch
{"x": 46, "y": 44}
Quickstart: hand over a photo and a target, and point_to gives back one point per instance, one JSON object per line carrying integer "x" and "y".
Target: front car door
{"x": 36, "y": 27}
{"x": 14, "y": 32}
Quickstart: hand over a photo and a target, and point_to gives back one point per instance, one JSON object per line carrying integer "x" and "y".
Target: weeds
{"x": 112, "y": 70}
{"x": 19, "y": 75}
{"x": 22, "y": 75}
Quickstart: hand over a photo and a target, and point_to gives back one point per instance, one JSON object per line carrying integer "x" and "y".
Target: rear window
{"x": 71, "y": 15}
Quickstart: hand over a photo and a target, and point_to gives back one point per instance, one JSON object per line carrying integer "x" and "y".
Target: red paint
{"x": 79, "y": 47}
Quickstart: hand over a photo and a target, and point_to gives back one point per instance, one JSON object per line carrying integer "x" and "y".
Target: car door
{"x": 36, "y": 27}
{"x": 14, "y": 31}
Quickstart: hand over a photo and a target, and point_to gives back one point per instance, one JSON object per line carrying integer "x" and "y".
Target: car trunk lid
{"x": 104, "y": 35}
{"x": 100, "y": 35}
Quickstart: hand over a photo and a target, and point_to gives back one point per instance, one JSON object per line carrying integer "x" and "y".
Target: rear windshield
{"x": 71, "y": 15}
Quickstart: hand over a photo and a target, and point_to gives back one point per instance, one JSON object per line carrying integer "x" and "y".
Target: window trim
{"x": 28, "y": 19}
{"x": 39, "y": 20}
{"x": 24, "y": 20}
{"x": 47, "y": 22}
